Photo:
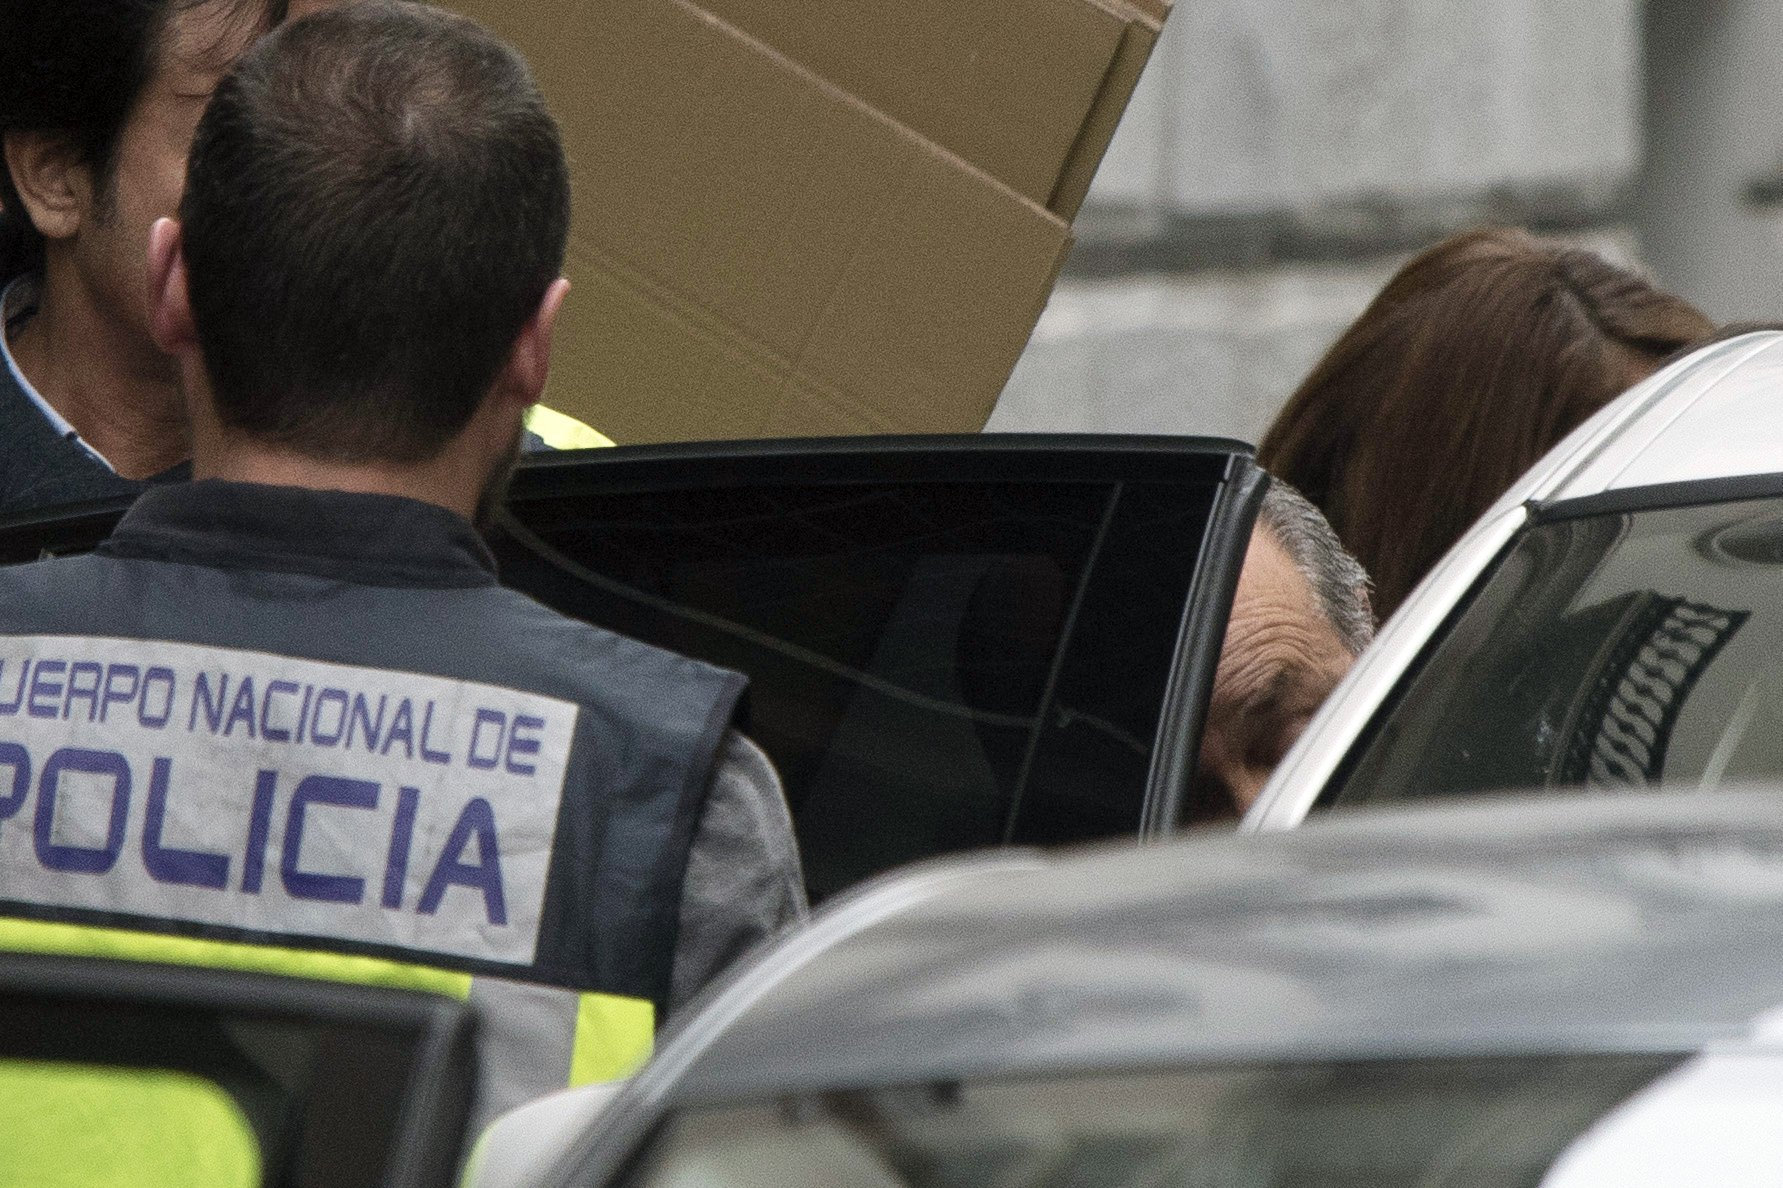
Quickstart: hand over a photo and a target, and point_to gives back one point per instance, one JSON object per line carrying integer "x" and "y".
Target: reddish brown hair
{"x": 1475, "y": 360}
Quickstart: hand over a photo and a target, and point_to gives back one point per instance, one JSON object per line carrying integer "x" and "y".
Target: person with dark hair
{"x": 1300, "y": 617}
{"x": 1474, "y": 361}
{"x": 347, "y": 741}
{"x": 98, "y": 100}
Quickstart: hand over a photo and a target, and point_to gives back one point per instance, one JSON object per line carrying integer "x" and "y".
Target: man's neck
{"x": 120, "y": 396}
{"x": 429, "y": 482}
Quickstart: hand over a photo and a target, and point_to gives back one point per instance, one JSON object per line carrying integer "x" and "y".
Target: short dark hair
{"x": 376, "y": 203}
{"x": 1475, "y": 360}
{"x": 76, "y": 68}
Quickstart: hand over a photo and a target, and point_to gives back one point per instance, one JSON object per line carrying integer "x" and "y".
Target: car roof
{"x": 1635, "y": 922}
{"x": 1710, "y": 415}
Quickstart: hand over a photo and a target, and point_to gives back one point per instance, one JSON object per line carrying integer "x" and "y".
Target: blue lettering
{"x": 186, "y": 868}
{"x": 487, "y": 717}
{"x": 19, "y": 759}
{"x": 336, "y": 697}
{"x": 156, "y": 676}
{"x": 478, "y": 821}
{"x": 361, "y": 716}
{"x": 253, "y": 860}
{"x": 112, "y": 695}
{"x": 78, "y": 688}
{"x": 303, "y": 712}
{"x": 402, "y": 838}
{"x": 201, "y": 699}
{"x": 402, "y": 725}
{"x": 9, "y": 708}
{"x": 431, "y": 756}
{"x": 242, "y": 710}
{"x": 268, "y": 731}
{"x": 528, "y": 745}
{"x": 81, "y": 859}
{"x": 45, "y": 693}
{"x": 319, "y": 790}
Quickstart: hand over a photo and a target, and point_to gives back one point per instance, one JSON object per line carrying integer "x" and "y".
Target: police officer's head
{"x": 366, "y": 264}
{"x": 98, "y": 99}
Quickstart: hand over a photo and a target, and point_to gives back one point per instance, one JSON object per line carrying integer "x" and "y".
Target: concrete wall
{"x": 1211, "y": 353}
{"x": 1715, "y": 126}
{"x": 1278, "y": 161}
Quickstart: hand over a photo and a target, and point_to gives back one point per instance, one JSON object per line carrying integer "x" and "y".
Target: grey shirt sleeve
{"x": 743, "y": 879}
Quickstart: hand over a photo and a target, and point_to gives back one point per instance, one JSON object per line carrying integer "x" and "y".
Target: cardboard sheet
{"x": 1003, "y": 84}
{"x": 757, "y": 253}
{"x": 830, "y": 216}
{"x": 1144, "y": 23}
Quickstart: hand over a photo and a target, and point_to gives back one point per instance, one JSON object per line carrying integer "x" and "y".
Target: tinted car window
{"x": 1376, "y": 1123}
{"x": 934, "y": 666}
{"x": 1613, "y": 650}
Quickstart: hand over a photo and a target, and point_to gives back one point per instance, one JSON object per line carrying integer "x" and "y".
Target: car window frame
{"x": 1535, "y": 515}
{"x": 988, "y": 457}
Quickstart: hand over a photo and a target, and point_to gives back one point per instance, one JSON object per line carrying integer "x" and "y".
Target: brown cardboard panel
{"x": 974, "y": 283}
{"x": 1004, "y": 84}
{"x": 756, "y": 252}
{"x": 654, "y": 368}
{"x": 1153, "y": 12}
{"x": 1111, "y": 103}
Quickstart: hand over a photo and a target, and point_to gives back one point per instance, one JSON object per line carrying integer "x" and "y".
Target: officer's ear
{"x": 170, "y": 310}
{"x": 55, "y": 186}
{"x": 529, "y": 363}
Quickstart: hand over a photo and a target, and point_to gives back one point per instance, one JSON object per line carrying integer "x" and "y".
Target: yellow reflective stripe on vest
{"x": 612, "y": 1034}
{"x": 78, "y": 940}
{"x": 561, "y": 431}
{"x": 613, "y": 1038}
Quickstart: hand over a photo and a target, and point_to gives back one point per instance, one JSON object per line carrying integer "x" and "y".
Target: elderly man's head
{"x": 1299, "y": 619}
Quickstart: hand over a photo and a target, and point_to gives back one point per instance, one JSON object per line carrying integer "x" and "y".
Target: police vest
{"x": 443, "y": 788}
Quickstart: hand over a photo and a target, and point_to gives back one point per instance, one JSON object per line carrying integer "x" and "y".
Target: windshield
{"x": 1485, "y": 1123}
{"x": 1611, "y": 650}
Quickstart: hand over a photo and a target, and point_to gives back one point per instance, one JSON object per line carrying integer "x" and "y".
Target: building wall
{"x": 1211, "y": 352}
{"x": 1280, "y": 159}
{"x": 1709, "y": 202}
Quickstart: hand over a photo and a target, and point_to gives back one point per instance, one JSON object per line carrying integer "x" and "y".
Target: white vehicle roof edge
{"x": 1312, "y": 760}
{"x": 639, "y": 1103}
{"x": 1712, "y": 1118}
{"x": 1606, "y": 434}
{"x": 1644, "y": 414}
{"x": 1711, "y": 375}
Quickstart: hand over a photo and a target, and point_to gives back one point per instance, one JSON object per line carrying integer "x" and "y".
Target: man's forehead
{"x": 1270, "y": 577}
{"x": 1278, "y": 631}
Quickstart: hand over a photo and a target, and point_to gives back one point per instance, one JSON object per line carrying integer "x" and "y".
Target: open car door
{"x": 952, "y": 642}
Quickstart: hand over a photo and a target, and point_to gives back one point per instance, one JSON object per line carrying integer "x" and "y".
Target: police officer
{"x": 288, "y": 703}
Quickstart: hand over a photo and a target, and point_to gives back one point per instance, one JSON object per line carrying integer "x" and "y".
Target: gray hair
{"x": 1337, "y": 578}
